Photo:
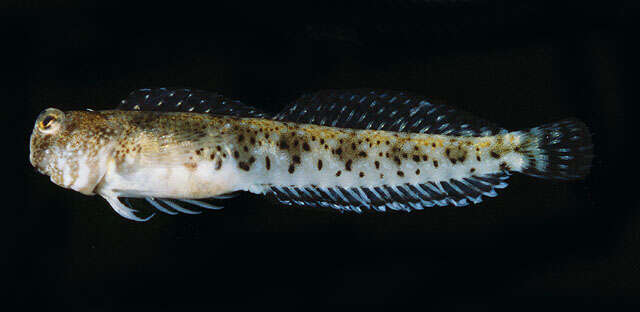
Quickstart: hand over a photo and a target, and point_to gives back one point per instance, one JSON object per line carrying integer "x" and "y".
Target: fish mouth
{"x": 39, "y": 161}
{"x": 35, "y": 164}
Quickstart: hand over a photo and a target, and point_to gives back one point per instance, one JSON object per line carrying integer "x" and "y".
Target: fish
{"x": 350, "y": 150}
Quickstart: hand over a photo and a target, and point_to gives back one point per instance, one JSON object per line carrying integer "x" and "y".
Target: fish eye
{"x": 47, "y": 121}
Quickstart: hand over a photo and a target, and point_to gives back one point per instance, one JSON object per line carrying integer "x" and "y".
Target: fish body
{"x": 190, "y": 150}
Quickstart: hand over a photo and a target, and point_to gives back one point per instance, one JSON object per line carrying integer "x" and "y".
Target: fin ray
{"x": 179, "y": 208}
{"x": 157, "y": 205}
{"x": 384, "y": 110}
{"x": 200, "y": 203}
{"x": 405, "y": 197}
{"x": 124, "y": 210}
{"x": 561, "y": 150}
{"x": 187, "y": 100}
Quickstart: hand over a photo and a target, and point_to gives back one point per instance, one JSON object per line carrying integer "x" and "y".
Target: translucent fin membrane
{"x": 187, "y": 100}
{"x": 560, "y": 150}
{"x": 384, "y": 110}
{"x": 404, "y": 197}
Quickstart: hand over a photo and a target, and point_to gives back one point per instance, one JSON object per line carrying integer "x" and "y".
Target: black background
{"x": 516, "y": 64}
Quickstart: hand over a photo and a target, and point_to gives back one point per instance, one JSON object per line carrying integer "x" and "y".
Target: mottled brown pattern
{"x": 187, "y": 139}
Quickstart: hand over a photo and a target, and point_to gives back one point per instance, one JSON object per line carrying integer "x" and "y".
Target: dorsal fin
{"x": 187, "y": 100}
{"x": 384, "y": 110}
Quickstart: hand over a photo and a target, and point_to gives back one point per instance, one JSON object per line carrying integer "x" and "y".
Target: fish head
{"x": 71, "y": 148}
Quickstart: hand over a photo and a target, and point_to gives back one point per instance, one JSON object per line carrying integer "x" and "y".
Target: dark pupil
{"x": 46, "y": 123}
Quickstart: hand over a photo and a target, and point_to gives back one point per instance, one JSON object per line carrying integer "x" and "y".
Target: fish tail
{"x": 561, "y": 150}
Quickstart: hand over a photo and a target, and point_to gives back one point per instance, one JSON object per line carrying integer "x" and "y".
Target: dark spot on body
{"x": 296, "y": 159}
{"x": 377, "y": 163}
{"x": 244, "y": 166}
{"x": 417, "y": 171}
{"x": 361, "y": 174}
{"x": 338, "y": 173}
{"x": 494, "y": 154}
{"x": 218, "y": 164}
{"x": 240, "y": 138}
{"x": 478, "y": 158}
{"x": 416, "y": 158}
{"x": 435, "y": 163}
{"x": 362, "y": 154}
{"x": 397, "y": 160}
{"x": 236, "y": 154}
{"x": 252, "y": 159}
{"x": 284, "y": 144}
{"x": 472, "y": 170}
{"x": 292, "y": 168}
{"x": 347, "y": 166}
{"x": 267, "y": 162}
{"x": 400, "y": 174}
{"x": 319, "y": 164}
{"x": 305, "y": 146}
{"x": 425, "y": 157}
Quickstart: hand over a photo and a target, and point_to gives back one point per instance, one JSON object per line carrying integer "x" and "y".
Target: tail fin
{"x": 560, "y": 150}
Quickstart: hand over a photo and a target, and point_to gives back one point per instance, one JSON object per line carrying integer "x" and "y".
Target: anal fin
{"x": 404, "y": 197}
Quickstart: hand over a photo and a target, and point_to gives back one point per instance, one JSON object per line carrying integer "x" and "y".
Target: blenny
{"x": 343, "y": 149}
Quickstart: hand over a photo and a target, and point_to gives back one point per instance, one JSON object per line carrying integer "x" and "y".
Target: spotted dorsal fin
{"x": 187, "y": 100}
{"x": 384, "y": 110}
